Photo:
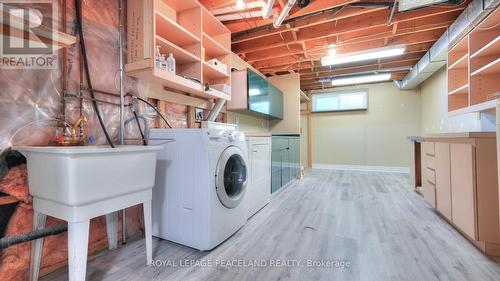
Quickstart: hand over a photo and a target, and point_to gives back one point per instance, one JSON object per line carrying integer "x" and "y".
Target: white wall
{"x": 290, "y": 86}
{"x": 376, "y": 137}
{"x": 435, "y": 119}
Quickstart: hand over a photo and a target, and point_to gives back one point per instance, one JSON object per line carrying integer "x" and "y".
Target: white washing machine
{"x": 201, "y": 182}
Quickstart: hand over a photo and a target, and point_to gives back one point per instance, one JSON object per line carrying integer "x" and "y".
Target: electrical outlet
{"x": 237, "y": 120}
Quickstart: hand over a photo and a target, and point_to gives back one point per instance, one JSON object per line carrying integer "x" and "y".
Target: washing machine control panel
{"x": 226, "y": 135}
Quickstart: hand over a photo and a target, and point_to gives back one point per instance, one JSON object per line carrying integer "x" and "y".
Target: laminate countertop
{"x": 457, "y": 135}
{"x": 258, "y": 134}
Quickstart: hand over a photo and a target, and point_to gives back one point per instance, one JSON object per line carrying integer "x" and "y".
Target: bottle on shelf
{"x": 163, "y": 62}
{"x": 158, "y": 63}
{"x": 171, "y": 63}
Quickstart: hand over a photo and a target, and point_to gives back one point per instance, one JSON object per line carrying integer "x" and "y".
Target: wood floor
{"x": 374, "y": 221}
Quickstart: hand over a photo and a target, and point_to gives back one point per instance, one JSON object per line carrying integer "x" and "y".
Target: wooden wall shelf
{"x": 491, "y": 68}
{"x": 462, "y": 90}
{"x": 188, "y": 31}
{"x": 461, "y": 63}
{"x": 490, "y": 49}
{"x": 474, "y": 68}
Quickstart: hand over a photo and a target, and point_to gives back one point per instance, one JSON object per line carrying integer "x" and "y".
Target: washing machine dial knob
{"x": 232, "y": 136}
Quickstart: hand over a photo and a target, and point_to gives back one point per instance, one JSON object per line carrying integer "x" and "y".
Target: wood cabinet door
{"x": 443, "y": 180}
{"x": 463, "y": 195}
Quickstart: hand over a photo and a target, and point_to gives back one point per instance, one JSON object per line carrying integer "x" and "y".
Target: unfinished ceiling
{"x": 298, "y": 45}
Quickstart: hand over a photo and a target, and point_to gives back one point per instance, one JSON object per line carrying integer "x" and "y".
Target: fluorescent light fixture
{"x": 361, "y": 79}
{"x": 362, "y": 56}
{"x": 240, "y": 4}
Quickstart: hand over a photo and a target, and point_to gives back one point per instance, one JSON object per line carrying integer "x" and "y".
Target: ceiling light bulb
{"x": 332, "y": 52}
{"x": 362, "y": 56}
{"x": 240, "y": 4}
{"x": 361, "y": 79}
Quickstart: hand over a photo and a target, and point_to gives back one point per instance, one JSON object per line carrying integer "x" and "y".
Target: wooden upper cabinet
{"x": 463, "y": 195}
{"x": 443, "y": 179}
{"x": 474, "y": 67}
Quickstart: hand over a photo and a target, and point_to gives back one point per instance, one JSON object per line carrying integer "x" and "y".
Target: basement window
{"x": 340, "y": 101}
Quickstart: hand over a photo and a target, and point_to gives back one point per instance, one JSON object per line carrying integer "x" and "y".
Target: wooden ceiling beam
{"x": 309, "y": 21}
{"x": 317, "y": 66}
{"x": 358, "y": 69}
{"x": 318, "y": 86}
{"x": 313, "y": 7}
{"x": 408, "y": 39}
{"x": 275, "y": 54}
{"x": 307, "y": 73}
{"x": 352, "y": 24}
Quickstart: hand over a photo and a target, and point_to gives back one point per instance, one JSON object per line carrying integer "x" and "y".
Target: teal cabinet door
{"x": 285, "y": 159}
{"x": 286, "y": 166}
{"x": 276, "y": 159}
{"x": 295, "y": 157}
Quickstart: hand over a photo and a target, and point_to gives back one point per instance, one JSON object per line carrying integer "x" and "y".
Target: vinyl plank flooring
{"x": 374, "y": 221}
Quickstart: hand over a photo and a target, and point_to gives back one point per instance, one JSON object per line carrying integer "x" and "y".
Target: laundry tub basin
{"x": 81, "y": 175}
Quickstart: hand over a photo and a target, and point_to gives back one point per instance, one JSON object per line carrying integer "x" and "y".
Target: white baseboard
{"x": 382, "y": 169}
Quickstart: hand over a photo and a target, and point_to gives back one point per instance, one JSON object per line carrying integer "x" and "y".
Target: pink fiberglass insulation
{"x": 29, "y": 98}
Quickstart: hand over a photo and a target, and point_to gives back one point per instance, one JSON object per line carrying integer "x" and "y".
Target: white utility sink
{"x": 79, "y": 183}
{"x": 81, "y": 175}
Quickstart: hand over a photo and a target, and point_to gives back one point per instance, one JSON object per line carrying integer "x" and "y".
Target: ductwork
{"x": 268, "y": 9}
{"x": 437, "y": 56}
{"x": 216, "y": 110}
{"x": 286, "y": 10}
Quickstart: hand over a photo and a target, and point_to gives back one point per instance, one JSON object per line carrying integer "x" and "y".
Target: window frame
{"x": 339, "y": 93}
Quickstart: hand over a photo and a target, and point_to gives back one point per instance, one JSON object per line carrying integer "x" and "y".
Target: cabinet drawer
{"x": 428, "y": 148}
{"x": 428, "y": 175}
{"x": 428, "y": 161}
{"x": 429, "y": 193}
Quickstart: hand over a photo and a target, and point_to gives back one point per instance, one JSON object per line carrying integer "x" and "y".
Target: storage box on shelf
{"x": 472, "y": 75}
{"x": 190, "y": 33}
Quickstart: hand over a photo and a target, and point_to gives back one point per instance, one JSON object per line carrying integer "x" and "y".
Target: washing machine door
{"x": 231, "y": 177}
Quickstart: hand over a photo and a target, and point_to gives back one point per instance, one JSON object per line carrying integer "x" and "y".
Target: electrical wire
{"x": 78, "y": 10}
{"x": 152, "y": 106}
{"x": 139, "y": 127}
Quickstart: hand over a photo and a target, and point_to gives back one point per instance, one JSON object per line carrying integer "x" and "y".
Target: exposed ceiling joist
{"x": 351, "y": 25}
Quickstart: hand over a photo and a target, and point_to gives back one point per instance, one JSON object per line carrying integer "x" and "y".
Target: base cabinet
{"x": 462, "y": 182}
{"x": 443, "y": 179}
{"x": 285, "y": 158}
{"x": 465, "y": 190}
{"x": 259, "y": 186}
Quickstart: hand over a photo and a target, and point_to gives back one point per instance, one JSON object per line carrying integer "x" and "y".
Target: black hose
{"x": 36, "y": 234}
{"x": 139, "y": 127}
{"x": 148, "y": 103}
{"x": 87, "y": 71}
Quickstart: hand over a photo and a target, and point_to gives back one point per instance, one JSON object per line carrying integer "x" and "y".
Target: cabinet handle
{"x": 254, "y": 151}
